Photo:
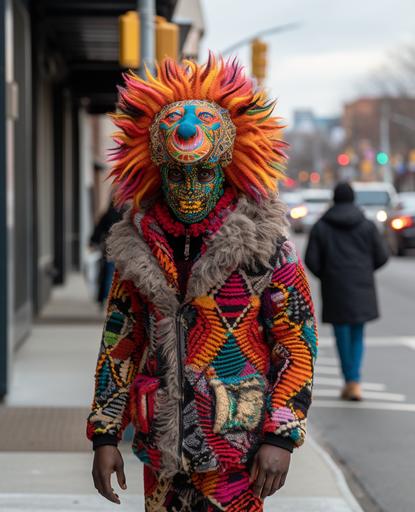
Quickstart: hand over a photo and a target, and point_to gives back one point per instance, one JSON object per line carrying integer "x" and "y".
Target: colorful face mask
{"x": 192, "y": 191}
{"x": 192, "y": 141}
{"x": 187, "y": 132}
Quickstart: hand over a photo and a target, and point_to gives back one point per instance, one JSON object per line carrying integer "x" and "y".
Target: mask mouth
{"x": 191, "y": 206}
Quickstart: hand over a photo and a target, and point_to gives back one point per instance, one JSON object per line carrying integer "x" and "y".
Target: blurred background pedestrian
{"x": 344, "y": 249}
{"x": 97, "y": 240}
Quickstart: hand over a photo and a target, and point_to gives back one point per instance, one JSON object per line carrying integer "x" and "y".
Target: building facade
{"x": 58, "y": 75}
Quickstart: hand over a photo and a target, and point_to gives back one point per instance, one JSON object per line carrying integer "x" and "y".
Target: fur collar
{"x": 246, "y": 239}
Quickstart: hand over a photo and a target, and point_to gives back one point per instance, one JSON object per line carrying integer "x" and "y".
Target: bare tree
{"x": 396, "y": 77}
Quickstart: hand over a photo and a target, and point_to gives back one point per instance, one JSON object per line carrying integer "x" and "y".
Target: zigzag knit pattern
{"x": 245, "y": 368}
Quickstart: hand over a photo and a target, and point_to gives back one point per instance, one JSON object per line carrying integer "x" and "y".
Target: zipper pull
{"x": 187, "y": 245}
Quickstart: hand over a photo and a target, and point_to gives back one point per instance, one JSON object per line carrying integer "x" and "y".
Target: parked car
{"x": 296, "y": 209}
{"x": 377, "y": 200}
{"x": 400, "y": 232}
{"x": 316, "y": 201}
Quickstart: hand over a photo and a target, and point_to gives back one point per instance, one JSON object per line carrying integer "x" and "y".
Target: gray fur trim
{"x": 134, "y": 261}
{"x": 246, "y": 239}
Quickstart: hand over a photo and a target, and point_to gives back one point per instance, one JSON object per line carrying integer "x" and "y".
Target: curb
{"x": 338, "y": 475}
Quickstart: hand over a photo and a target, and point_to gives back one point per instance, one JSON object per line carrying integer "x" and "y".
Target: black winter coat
{"x": 344, "y": 250}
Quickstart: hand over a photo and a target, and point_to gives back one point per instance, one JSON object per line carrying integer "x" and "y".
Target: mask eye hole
{"x": 175, "y": 175}
{"x": 173, "y": 116}
{"x": 205, "y": 116}
{"x": 205, "y": 174}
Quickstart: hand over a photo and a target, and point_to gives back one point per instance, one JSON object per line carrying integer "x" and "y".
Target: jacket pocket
{"x": 143, "y": 395}
{"x": 239, "y": 403}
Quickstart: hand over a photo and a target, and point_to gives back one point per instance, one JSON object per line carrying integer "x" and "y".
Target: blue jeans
{"x": 349, "y": 341}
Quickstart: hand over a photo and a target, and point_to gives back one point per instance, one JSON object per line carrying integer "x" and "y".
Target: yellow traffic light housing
{"x": 167, "y": 39}
{"x": 259, "y": 60}
{"x": 129, "y": 28}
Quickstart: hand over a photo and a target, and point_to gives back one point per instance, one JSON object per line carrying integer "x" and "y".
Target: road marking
{"x": 328, "y": 381}
{"x": 331, "y": 361}
{"x": 374, "y": 395}
{"x": 381, "y": 406}
{"x": 373, "y": 341}
{"x": 410, "y": 343}
{"x": 327, "y": 370}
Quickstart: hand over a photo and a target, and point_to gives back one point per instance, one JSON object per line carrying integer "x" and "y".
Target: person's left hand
{"x": 269, "y": 470}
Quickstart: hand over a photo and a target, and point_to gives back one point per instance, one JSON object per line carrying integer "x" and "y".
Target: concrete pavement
{"x": 46, "y": 465}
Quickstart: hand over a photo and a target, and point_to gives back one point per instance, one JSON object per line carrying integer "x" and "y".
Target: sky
{"x": 328, "y": 59}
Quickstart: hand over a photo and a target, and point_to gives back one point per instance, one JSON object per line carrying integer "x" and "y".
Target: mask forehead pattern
{"x": 192, "y": 131}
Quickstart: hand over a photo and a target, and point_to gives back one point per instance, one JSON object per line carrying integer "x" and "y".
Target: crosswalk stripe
{"x": 381, "y": 406}
{"x": 333, "y": 361}
{"x": 375, "y": 341}
{"x": 327, "y": 370}
{"x": 374, "y": 395}
{"x": 328, "y": 381}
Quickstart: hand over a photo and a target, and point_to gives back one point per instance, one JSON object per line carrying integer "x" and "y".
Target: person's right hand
{"x": 108, "y": 460}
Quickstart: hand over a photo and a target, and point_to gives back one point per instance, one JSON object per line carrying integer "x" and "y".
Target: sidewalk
{"x": 45, "y": 460}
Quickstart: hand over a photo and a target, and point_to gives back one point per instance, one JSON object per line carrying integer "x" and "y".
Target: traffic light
{"x": 382, "y": 158}
{"x": 343, "y": 159}
{"x": 259, "y": 60}
{"x": 129, "y": 27}
{"x": 167, "y": 39}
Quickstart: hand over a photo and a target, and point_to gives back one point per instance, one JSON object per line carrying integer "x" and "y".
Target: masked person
{"x": 210, "y": 337}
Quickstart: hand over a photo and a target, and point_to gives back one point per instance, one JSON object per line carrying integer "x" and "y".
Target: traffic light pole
{"x": 258, "y": 35}
{"x": 385, "y": 140}
{"x": 146, "y": 11}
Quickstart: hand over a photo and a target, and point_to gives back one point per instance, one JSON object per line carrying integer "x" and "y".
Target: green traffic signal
{"x": 382, "y": 158}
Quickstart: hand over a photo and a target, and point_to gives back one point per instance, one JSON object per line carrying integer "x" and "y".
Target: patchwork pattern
{"x": 119, "y": 359}
{"x": 242, "y": 355}
{"x": 239, "y": 402}
{"x": 204, "y": 492}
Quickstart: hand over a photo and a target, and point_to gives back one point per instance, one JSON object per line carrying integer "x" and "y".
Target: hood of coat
{"x": 248, "y": 237}
{"x": 344, "y": 215}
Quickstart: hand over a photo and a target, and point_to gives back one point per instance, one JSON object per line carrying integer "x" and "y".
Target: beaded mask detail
{"x": 192, "y": 191}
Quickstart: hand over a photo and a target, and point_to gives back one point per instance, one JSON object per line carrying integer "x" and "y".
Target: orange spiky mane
{"x": 258, "y": 154}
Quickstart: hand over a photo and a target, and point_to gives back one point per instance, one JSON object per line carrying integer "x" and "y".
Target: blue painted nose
{"x": 186, "y": 130}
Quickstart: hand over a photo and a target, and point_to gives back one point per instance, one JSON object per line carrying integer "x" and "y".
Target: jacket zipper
{"x": 180, "y": 352}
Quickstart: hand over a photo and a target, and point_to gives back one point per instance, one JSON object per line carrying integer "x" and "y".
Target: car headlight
{"x": 298, "y": 212}
{"x": 382, "y": 216}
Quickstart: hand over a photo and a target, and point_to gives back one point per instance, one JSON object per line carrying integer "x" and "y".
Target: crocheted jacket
{"x": 206, "y": 380}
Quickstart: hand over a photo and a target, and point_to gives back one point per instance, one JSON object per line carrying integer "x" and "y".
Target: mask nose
{"x": 186, "y": 130}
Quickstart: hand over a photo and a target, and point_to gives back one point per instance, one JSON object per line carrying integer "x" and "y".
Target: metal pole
{"x": 4, "y": 290}
{"x": 385, "y": 140}
{"x": 146, "y": 11}
{"x": 262, "y": 33}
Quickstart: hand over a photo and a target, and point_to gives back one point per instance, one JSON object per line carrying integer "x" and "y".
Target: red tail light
{"x": 402, "y": 222}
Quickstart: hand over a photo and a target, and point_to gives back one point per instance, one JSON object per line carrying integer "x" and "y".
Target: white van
{"x": 377, "y": 200}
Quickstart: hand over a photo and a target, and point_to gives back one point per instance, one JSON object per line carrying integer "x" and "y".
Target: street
{"x": 373, "y": 440}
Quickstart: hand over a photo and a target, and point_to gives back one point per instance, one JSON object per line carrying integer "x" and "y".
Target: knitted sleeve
{"x": 119, "y": 358}
{"x": 291, "y": 327}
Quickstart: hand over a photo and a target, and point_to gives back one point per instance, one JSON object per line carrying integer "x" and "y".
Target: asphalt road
{"x": 374, "y": 440}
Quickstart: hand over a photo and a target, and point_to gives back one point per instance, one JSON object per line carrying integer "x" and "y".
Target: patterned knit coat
{"x": 206, "y": 380}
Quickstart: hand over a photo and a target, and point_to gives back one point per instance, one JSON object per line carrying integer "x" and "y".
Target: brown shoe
{"x": 345, "y": 393}
{"x": 355, "y": 392}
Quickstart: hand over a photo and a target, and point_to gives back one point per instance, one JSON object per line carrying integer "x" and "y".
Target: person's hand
{"x": 108, "y": 460}
{"x": 269, "y": 470}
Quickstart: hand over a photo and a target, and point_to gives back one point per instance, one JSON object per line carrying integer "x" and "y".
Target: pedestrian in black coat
{"x": 344, "y": 250}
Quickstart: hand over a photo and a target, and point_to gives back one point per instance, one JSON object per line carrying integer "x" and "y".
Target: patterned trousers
{"x": 200, "y": 492}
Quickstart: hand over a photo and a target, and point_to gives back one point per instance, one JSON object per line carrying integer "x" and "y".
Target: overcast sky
{"x": 327, "y": 60}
